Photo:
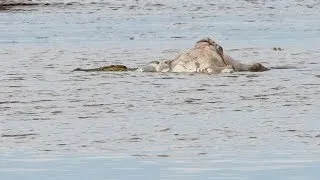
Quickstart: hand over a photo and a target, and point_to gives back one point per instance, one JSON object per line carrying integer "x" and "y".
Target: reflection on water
{"x": 130, "y": 124}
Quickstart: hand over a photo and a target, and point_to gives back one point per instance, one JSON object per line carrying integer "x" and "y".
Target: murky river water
{"x": 59, "y": 124}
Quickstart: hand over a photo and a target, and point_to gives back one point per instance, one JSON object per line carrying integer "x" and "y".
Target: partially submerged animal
{"x": 206, "y": 57}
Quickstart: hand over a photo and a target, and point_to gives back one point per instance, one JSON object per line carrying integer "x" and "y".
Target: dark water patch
{"x": 278, "y": 88}
{"x": 310, "y": 6}
{"x": 284, "y": 67}
{"x": 40, "y": 107}
{"x": 252, "y": 20}
{"x": 50, "y": 66}
{"x": 111, "y": 111}
{"x": 277, "y": 49}
{"x": 167, "y": 77}
{"x": 73, "y": 3}
{"x": 40, "y": 119}
{"x": 93, "y": 105}
{"x": 261, "y": 97}
{"x": 318, "y": 76}
{"x": 252, "y": 75}
{"x": 317, "y": 136}
{"x": 6, "y": 108}
{"x": 134, "y": 139}
{"x": 155, "y": 5}
{"x": 46, "y": 150}
{"x": 201, "y": 89}
{"x": 165, "y": 130}
{"x": 42, "y": 100}
{"x": 252, "y": 137}
{"x": 288, "y": 105}
{"x": 102, "y": 2}
{"x": 206, "y": 85}
{"x": 229, "y": 75}
{"x": 139, "y": 155}
{"x": 8, "y": 4}
{"x": 16, "y": 86}
{"x": 179, "y": 23}
{"x": 196, "y": 8}
{"x": 133, "y": 7}
{"x": 181, "y": 91}
{"x": 26, "y": 113}
{"x": 75, "y": 100}
{"x": 187, "y": 139}
{"x": 221, "y": 85}
{"x": 15, "y": 74}
{"x": 11, "y": 102}
{"x": 177, "y": 37}
{"x": 47, "y": 92}
{"x": 15, "y": 78}
{"x": 246, "y": 98}
{"x": 291, "y": 130}
{"x": 214, "y": 102}
{"x": 157, "y": 84}
{"x": 131, "y": 105}
{"x": 104, "y": 83}
{"x": 42, "y": 37}
{"x": 28, "y": 5}
{"x": 86, "y": 117}
{"x": 192, "y": 100}
{"x": 19, "y": 135}
{"x": 115, "y": 8}
{"x": 163, "y": 155}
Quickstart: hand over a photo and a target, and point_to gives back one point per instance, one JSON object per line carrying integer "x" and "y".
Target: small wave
{"x": 10, "y": 4}
{"x": 17, "y": 3}
{"x": 18, "y": 135}
{"x": 14, "y": 5}
{"x": 284, "y": 67}
{"x": 10, "y": 102}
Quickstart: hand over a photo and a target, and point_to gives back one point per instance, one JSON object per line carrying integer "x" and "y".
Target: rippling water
{"x": 59, "y": 124}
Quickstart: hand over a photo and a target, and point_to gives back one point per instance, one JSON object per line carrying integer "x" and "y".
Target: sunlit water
{"x": 59, "y": 124}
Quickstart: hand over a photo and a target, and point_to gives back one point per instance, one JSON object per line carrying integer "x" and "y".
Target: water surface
{"x": 59, "y": 124}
